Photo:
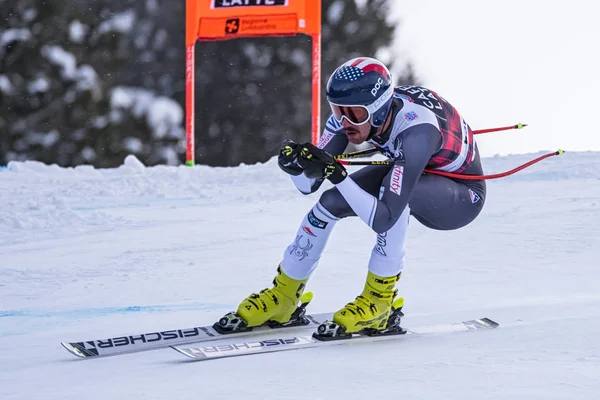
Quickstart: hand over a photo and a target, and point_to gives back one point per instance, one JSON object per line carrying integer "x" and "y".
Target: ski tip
{"x": 184, "y": 352}
{"x": 73, "y": 349}
{"x": 489, "y": 322}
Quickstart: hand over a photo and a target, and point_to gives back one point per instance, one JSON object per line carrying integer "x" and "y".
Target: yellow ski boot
{"x": 282, "y": 305}
{"x": 373, "y": 312}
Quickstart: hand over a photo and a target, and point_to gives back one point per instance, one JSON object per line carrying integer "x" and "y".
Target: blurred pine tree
{"x": 64, "y": 96}
{"x": 91, "y": 81}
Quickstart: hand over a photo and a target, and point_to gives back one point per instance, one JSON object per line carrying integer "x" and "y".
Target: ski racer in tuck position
{"x": 416, "y": 129}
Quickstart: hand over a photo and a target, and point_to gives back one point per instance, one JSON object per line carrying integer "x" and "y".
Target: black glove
{"x": 288, "y": 157}
{"x": 317, "y": 163}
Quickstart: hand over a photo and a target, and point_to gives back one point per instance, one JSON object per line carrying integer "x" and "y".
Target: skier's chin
{"x": 354, "y": 137}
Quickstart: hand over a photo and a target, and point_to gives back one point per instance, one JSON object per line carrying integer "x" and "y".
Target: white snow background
{"x": 90, "y": 253}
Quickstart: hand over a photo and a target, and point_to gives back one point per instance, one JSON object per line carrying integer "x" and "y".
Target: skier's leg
{"x": 437, "y": 202}
{"x": 444, "y": 204}
{"x": 368, "y": 178}
{"x": 372, "y": 308}
{"x": 302, "y": 256}
{"x": 387, "y": 256}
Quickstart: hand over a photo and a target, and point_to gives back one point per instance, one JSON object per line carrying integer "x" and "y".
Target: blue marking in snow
{"x": 143, "y": 202}
{"x": 106, "y": 311}
{"x": 11, "y": 313}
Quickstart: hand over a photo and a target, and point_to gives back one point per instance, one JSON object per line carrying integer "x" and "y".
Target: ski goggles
{"x": 360, "y": 114}
{"x": 356, "y": 115}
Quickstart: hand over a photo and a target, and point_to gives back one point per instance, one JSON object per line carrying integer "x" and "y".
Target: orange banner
{"x": 248, "y": 26}
{"x": 229, "y": 19}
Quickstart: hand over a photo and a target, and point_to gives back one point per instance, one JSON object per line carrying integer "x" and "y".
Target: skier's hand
{"x": 317, "y": 163}
{"x": 288, "y": 157}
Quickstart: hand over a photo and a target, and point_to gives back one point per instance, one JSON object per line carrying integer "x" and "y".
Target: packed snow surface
{"x": 92, "y": 253}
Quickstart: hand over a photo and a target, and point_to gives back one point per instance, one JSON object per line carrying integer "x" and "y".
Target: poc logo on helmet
{"x": 377, "y": 87}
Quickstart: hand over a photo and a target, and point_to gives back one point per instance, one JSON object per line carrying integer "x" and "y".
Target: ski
{"x": 260, "y": 345}
{"x": 127, "y": 344}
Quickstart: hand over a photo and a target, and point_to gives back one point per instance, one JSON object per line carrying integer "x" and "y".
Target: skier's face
{"x": 356, "y": 134}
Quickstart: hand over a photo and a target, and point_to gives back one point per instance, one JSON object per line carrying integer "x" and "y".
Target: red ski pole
{"x": 362, "y": 153}
{"x": 461, "y": 176}
{"x": 503, "y": 128}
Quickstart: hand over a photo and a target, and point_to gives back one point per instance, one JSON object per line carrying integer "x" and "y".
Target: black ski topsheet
{"x": 261, "y": 345}
{"x": 127, "y": 344}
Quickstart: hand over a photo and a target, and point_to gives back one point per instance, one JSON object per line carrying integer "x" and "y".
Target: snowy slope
{"x": 88, "y": 253}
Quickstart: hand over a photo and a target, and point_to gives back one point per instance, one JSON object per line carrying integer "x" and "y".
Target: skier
{"x": 416, "y": 129}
